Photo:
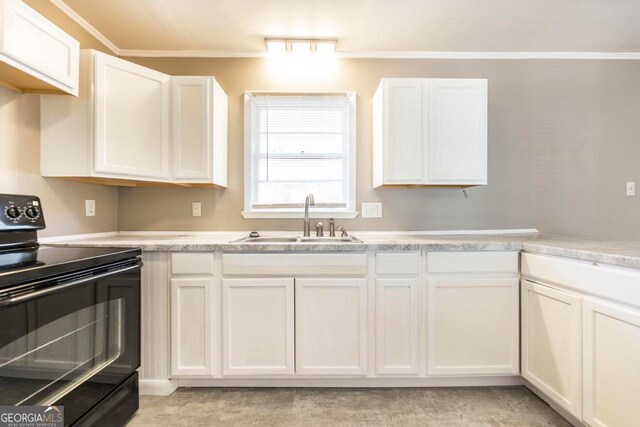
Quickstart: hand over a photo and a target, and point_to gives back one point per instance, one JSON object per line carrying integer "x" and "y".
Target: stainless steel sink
{"x": 346, "y": 239}
{"x": 248, "y": 239}
{"x": 297, "y": 239}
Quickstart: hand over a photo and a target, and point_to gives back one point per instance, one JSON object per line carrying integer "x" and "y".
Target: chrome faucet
{"x": 308, "y": 202}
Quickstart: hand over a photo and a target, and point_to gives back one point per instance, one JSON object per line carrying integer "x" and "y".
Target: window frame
{"x": 348, "y": 212}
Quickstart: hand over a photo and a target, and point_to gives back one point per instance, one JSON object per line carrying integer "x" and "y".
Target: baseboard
{"x": 352, "y": 382}
{"x": 560, "y": 410}
{"x": 157, "y": 387}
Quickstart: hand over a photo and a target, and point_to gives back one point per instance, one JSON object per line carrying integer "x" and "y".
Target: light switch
{"x": 631, "y": 188}
{"x": 372, "y": 210}
{"x": 196, "y": 209}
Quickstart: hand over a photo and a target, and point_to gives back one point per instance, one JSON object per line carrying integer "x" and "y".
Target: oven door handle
{"x": 67, "y": 285}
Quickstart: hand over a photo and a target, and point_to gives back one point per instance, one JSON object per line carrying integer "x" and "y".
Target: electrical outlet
{"x": 631, "y": 188}
{"x": 90, "y": 208}
{"x": 372, "y": 210}
{"x": 196, "y": 209}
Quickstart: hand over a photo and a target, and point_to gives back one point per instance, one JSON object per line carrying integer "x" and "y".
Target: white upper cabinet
{"x": 457, "y": 138}
{"x": 199, "y": 130}
{"x": 35, "y": 55}
{"x": 118, "y": 131}
{"x": 400, "y": 134}
{"x": 430, "y": 132}
{"x": 131, "y": 129}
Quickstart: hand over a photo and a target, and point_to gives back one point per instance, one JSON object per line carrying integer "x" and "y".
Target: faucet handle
{"x": 343, "y": 232}
{"x": 319, "y": 230}
{"x": 332, "y": 227}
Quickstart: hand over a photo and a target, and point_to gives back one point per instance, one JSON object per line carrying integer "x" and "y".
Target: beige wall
{"x": 563, "y": 139}
{"x": 63, "y": 201}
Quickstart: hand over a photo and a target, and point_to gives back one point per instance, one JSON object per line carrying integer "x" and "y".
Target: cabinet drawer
{"x": 500, "y": 263}
{"x": 294, "y": 264}
{"x": 398, "y": 263}
{"x": 192, "y": 263}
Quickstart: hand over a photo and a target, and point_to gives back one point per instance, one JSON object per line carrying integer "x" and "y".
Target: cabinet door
{"x": 472, "y": 326}
{"x": 192, "y": 127}
{"x": 131, "y": 128}
{"x": 192, "y": 326}
{"x": 397, "y": 326}
{"x": 331, "y": 326}
{"x": 611, "y": 364}
{"x": 258, "y": 329}
{"x": 405, "y": 131}
{"x": 552, "y": 344}
{"x": 36, "y": 47}
{"x": 457, "y": 131}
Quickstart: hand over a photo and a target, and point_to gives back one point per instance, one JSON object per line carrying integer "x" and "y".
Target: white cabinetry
{"x": 611, "y": 364}
{"x": 35, "y": 55}
{"x": 400, "y": 132}
{"x": 258, "y": 329}
{"x": 398, "y": 313}
{"x": 552, "y": 343}
{"x": 457, "y": 138}
{"x": 430, "y": 132}
{"x": 131, "y": 128}
{"x": 192, "y": 314}
{"x": 191, "y": 326}
{"x": 581, "y": 345}
{"x": 117, "y": 128}
{"x": 331, "y": 326}
{"x": 472, "y": 316}
{"x": 199, "y": 130}
{"x": 118, "y": 131}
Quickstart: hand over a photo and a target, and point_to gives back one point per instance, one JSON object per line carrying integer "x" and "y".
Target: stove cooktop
{"x": 37, "y": 263}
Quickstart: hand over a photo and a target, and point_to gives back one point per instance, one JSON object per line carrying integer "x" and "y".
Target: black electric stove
{"x": 70, "y": 319}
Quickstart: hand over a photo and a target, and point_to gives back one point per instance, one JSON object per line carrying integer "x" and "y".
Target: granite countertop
{"x": 623, "y": 253}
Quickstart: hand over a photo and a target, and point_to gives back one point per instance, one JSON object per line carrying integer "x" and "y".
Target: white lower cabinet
{"x": 192, "y": 326}
{"x": 397, "y": 325}
{"x": 331, "y": 326}
{"x": 258, "y": 326}
{"x": 472, "y": 326}
{"x": 552, "y": 344}
{"x": 611, "y": 364}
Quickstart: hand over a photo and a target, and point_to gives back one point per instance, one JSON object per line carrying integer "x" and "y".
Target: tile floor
{"x": 487, "y": 406}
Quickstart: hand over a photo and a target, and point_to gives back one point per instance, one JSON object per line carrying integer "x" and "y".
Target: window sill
{"x": 313, "y": 213}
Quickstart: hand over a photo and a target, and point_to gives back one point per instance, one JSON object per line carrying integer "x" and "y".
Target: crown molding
{"x": 353, "y": 54}
{"x": 60, "y": 4}
{"x": 192, "y": 53}
{"x": 390, "y": 54}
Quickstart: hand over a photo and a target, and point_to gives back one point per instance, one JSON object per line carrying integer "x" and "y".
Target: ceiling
{"x": 369, "y": 25}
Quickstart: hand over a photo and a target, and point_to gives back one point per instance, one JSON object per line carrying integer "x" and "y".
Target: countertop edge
{"x": 596, "y": 251}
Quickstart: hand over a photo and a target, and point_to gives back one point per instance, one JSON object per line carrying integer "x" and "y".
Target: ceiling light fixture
{"x": 276, "y": 47}
{"x": 300, "y": 47}
{"x": 325, "y": 47}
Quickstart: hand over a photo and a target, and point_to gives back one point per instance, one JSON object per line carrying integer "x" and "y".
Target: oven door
{"x": 70, "y": 341}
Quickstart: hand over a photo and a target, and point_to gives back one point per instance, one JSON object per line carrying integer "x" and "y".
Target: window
{"x": 296, "y": 145}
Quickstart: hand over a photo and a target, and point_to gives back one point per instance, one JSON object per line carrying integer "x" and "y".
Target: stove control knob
{"x": 32, "y": 212}
{"x": 12, "y": 212}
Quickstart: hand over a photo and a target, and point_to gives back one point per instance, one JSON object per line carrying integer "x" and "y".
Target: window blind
{"x": 299, "y": 145}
